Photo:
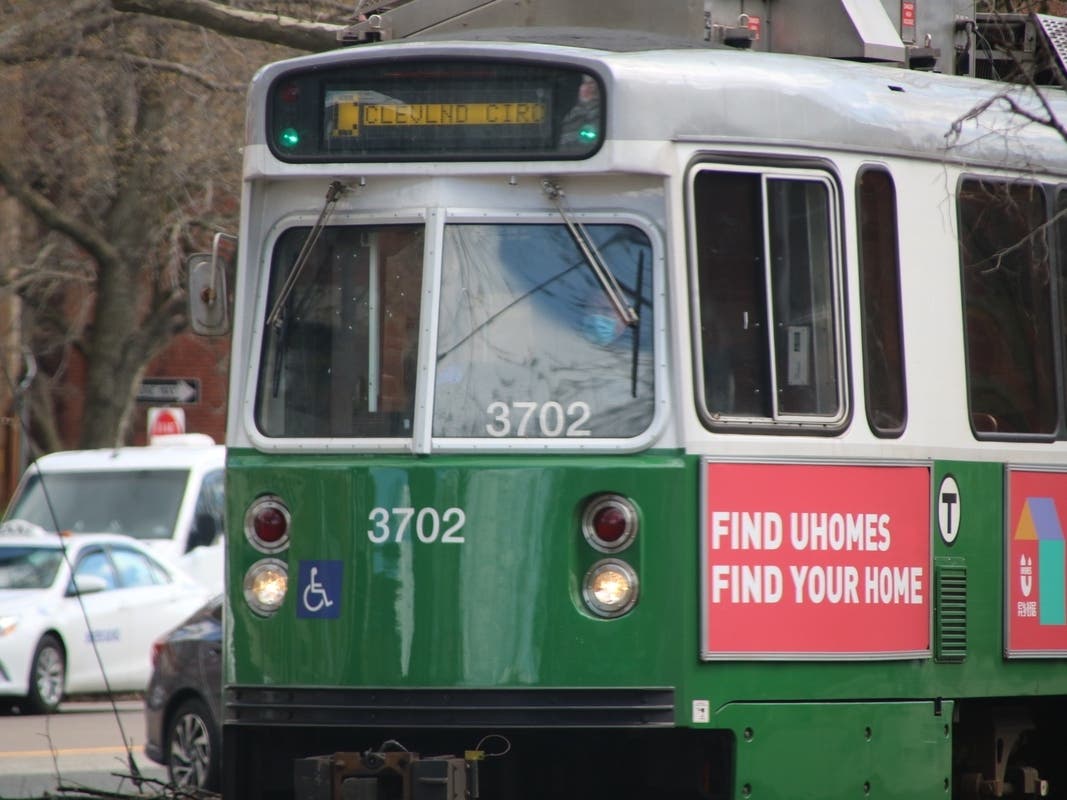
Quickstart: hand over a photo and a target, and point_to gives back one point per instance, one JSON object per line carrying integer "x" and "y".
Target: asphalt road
{"x": 82, "y": 745}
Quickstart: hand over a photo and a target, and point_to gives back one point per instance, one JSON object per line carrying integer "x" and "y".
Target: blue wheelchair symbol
{"x": 319, "y": 585}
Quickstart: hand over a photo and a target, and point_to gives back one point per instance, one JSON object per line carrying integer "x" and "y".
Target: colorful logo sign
{"x": 1036, "y": 564}
{"x": 816, "y": 561}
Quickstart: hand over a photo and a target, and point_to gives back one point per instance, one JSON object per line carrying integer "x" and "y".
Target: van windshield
{"x": 139, "y": 503}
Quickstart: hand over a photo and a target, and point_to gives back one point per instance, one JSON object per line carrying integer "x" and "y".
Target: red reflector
{"x": 610, "y": 523}
{"x": 270, "y": 524}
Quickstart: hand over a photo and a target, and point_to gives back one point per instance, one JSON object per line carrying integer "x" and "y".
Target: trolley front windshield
{"x": 528, "y": 343}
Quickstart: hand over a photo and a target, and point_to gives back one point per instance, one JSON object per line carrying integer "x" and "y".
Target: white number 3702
{"x": 527, "y": 418}
{"x": 429, "y": 524}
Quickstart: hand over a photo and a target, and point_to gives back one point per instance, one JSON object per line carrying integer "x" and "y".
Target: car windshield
{"x": 28, "y": 567}
{"x": 138, "y": 503}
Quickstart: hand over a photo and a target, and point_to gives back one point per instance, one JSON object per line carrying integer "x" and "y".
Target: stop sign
{"x": 165, "y": 421}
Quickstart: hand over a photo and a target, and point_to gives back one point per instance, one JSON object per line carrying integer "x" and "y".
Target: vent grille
{"x": 951, "y": 578}
{"x": 450, "y": 708}
{"x": 1055, "y": 30}
{"x": 1019, "y": 48}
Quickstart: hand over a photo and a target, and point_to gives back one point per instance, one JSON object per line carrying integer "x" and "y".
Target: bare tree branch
{"x": 1013, "y": 105}
{"x": 99, "y": 248}
{"x": 1048, "y": 120}
{"x": 170, "y": 66}
{"x": 45, "y": 54}
{"x": 23, "y": 278}
{"x": 105, "y": 149}
{"x": 53, "y": 26}
{"x": 271, "y": 28}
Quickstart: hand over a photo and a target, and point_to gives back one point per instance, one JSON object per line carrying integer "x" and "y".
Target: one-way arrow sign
{"x": 169, "y": 390}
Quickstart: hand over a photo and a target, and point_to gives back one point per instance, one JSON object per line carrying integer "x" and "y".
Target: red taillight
{"x": 157, "y": 652}
{"x": 270, "y": 525}
{"x": 267, "y": 524}
{"x": 609, "y": 522}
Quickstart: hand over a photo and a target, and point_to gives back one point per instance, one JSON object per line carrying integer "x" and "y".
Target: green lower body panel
{"x": 790, "y": 751}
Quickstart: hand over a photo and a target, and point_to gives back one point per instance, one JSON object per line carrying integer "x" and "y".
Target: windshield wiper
{"x": 333, "y": 194}
{"x": 592, "y": 256}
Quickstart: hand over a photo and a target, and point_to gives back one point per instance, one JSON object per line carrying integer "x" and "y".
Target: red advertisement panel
{"x": 1036, "y": 612}
{"x": 816, "y": 560}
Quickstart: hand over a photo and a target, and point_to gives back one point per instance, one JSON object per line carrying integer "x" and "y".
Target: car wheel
{"x": 48, "y": 675}
{"x": 192, "y": 747}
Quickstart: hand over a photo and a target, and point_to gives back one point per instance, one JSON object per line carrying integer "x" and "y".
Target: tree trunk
{"x": 10, "y": 356}
{"x": 123, "y": 336}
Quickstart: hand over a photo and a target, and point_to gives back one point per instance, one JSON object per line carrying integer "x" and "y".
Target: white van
{"x": 169, "y": 494}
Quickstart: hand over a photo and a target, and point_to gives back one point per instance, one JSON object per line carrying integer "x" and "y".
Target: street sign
{"x": 165, "y": 422}
{"x": 169, "y": 390}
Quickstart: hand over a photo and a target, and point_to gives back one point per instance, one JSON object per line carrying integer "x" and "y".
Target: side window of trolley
{"x": 530, "y": 343}
{"x": 883, "y": 339}
{"x": 341, "y": 333}
{"x": 767, "y": 297}
{"x": 1007, "y": 303}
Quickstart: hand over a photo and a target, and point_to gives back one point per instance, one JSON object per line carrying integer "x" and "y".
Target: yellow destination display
{"x": 351, "y": 116}
{"x": 435, "y": 110}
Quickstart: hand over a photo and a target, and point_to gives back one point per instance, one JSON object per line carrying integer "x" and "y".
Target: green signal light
{"x": 588, "y": 133}
{"x": 289, "y": 138}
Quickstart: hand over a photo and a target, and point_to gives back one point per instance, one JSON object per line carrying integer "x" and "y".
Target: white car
{"x": 169, "y": 495}
{"x": 51, "y": 584}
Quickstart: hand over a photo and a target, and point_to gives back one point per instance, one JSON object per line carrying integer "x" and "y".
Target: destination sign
{"x": 414, "y": 110}
{"x": 352, "y": 115}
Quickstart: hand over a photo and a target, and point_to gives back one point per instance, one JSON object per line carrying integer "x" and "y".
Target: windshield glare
{"x": 139, "y": 503}
{"x": 29, "y": 567}
{"x": 530, "y": 344}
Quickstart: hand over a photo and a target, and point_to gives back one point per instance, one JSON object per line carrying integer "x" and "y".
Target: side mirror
{"x": 209, "y": 293}
{"x": 203, "y": 533}
{"x": 87, "y": 584}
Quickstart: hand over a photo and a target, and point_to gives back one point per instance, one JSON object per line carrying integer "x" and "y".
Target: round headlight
{"x": 265, "y": 585}
{"x": 610, "y": 588}
{"x": 267, "y": 524}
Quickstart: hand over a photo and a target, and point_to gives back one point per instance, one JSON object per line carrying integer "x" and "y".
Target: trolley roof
{"x": 728, "y": 96}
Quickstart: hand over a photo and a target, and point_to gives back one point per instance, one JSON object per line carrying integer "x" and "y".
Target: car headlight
{"x": 8, "y": 623}
{"x": 265, "y": 585}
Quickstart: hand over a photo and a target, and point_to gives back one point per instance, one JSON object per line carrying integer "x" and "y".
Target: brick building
{"x": 191, "y": 374}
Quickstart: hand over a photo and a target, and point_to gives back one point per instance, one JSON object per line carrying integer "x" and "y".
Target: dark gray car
{"x": 183, "y": 698}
